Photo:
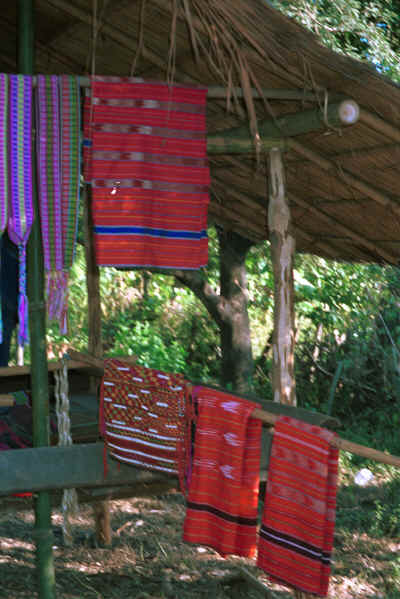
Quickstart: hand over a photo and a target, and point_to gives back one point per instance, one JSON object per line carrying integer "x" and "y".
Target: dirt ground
{"x": 148, "y": 559}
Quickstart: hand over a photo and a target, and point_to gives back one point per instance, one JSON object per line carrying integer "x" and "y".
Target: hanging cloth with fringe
{"x": 70, "y": 115}
{"x": 49, "y": 186}
{"x": 296, "y": 535}
{"x": 21, "y": 199}
{"x": 3, "y": 168}
{"x": 57, "y": 107}
{"x": 145, "y": 156}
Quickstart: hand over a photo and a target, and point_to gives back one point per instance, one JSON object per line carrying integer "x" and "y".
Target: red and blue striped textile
{"x": 145, "y": 156}
{"x": 296, "y": 535}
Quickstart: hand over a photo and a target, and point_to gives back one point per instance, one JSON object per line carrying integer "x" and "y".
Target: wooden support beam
{"x": 101, "y": 510}
{"x": 75, "y": 466}
{"x": 268, "y": 94}
{"x": 82, "y": 466}
{"x": 380, "y": 125}
{"x": 339, "y": 114}
{"x": 86, "y": 358}
{"x": 342, "y": 444}
{"x": 6, "y": 401}
{"x": 90, "y": 368}
{"x": 115, "y": 34}
{"x": 259, "y": 211}
{"x": 341, "y": 173}
{"x": 346, "y": 231}
{"x": 224, "y": 217}
{"x": 230, "y": 219}
{"x": 282, "y": 253}
{"x": 326, "y": 247}
{"x": 218, "y": 144}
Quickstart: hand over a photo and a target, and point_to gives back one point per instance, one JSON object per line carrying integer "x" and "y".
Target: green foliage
{"x": 364, "y": 29}
{"x": 77, "y": 311}
{"x": 374, "y": 509}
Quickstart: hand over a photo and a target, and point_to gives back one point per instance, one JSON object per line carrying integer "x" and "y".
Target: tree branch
{"x": 214, "y": 303}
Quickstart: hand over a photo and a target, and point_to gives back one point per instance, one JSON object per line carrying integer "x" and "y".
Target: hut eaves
{"x": 342, "y": 182}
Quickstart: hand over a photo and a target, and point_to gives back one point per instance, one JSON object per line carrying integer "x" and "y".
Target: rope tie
{"x": 69, "y": 504}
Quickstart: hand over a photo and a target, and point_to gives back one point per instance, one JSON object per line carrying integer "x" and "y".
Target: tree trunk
{"x": 237, "y": 358}
{"x": 228, "y": 309}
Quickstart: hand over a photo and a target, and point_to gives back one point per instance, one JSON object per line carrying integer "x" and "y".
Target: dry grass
{"x": 149, "y": 561}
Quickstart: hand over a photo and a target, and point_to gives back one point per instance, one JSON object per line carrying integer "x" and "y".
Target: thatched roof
{"x": 343, "y": 183}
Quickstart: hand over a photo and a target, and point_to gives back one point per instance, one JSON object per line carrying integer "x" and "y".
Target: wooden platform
{"x": 78, "y": 466}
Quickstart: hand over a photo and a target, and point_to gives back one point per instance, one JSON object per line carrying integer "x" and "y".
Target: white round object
{"x": 349, "y": 112}
{"x": 363, "y": 477}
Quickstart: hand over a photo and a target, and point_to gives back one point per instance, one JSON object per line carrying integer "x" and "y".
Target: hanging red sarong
{"x": 223, "y": 492}
{"x": 296, "y": 536}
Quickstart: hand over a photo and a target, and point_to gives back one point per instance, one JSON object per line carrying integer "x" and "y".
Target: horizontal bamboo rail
{"x": 79, "y": 360}
{"x": 342, "y": 444}
{"x": 219, "y": 92}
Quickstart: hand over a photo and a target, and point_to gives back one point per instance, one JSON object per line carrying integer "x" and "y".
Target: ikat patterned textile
{"x": 223, "y": 492}
{"x": 296, "y": 536}
{"x": 145, "y": 156}
{"x": 145, "y": 417}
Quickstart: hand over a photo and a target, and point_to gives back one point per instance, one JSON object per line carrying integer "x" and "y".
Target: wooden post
{"x": 93, "y": 286}
{"x": 101, "y": 509}
{"x": 282, "y": 252}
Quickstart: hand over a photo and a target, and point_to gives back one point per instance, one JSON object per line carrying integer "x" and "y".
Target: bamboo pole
{"x": 218, "y": 92}
{"x": 101, "y": 510}
{"x": 342, "y": 444}
{"x": 338, "y": 114}
{"x": 218, "y": 144}
{"x": 37, "y": 326}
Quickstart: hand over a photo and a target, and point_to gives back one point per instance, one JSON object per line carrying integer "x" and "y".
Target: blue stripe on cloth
{"x": 150, "y": 232}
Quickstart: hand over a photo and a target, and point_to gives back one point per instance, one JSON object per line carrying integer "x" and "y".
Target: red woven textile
{"x": 296, "y": 536}
{"x": 145, "y": 417}
{"x": 223, "y": 492}
{"x": 145, "y": 156}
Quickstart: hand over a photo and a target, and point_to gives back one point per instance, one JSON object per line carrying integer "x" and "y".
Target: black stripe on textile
{"x": 204, "y": 507}
{"x": 294, "y": 544}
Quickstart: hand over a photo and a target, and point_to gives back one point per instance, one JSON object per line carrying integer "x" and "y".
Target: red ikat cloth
{"x": 296, "y": 535}
{"x": 223, "y": 491}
